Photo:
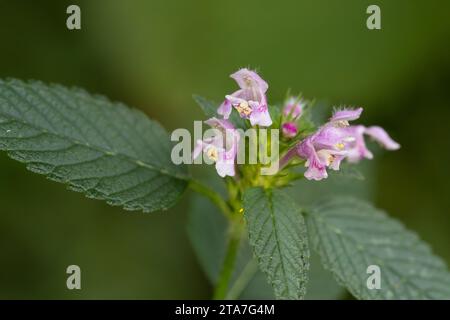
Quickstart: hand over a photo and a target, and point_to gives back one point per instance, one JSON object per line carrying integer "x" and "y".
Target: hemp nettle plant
{"x": 262, "y": 241}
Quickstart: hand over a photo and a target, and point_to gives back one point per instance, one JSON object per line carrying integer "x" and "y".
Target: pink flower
{"x": 357, "y": 150}
{"x": 221, "y": 148}
{"x": 343, "y": 116}
{"x": 336, "y": 141}
{"x": 250, "y": 100}
{"x": 321, "y": 150}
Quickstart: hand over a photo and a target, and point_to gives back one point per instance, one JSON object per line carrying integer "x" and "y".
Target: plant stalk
{"x": 220, "y": 292}
{"x": 287, "y": 157}
{"x": 213, "y": 196}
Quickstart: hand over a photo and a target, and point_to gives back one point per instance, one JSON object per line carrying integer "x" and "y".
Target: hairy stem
{"x": 287, "y": 157}
{"x": 213, "y": 196}
{"x": 243, "y": 280}
{"x": 236, "y": 230}
{"x": 226, "y": 273}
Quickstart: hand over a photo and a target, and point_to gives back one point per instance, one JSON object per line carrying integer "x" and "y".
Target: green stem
{"x": 243, "y": 280}
{"x": 226, "y": 273}
{"x": 236, "y": 229}
{"x": 213, "y": 196}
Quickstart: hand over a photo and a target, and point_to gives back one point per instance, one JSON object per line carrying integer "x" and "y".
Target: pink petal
{"x": 219, "y": 123}
{"x": 225, "y": 166}
{"x": 198, "y": 149}
{"x": 261, "y": 118}
{"x": 359, "y": 149}
{"x": 225, "y": 109}
{"x": 335, "y": 165}
{"x": 247, "y": 79}
{"x": 316, "y": 173}
{"x": 346, "y": 115}
{"x": 381, "y": 136}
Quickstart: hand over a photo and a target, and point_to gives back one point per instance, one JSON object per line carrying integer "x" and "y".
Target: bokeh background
{"x": 154, "y": 55}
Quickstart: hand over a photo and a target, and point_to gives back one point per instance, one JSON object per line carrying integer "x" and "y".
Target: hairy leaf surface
{"x": 278, "y": 236}
{"x": 351, "y": 235}
{"x": 103, "y": 149}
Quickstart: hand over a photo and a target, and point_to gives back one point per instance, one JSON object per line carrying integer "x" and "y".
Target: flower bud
{"x": 289, "y": 129}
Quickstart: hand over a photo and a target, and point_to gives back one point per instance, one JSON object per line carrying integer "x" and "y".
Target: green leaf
{"x": 208, "y": 230}
{"x": 97, "y": 147}
{"x": 321, "y": 282}
{"x": 278, "y": 236}
{"x": 356, "y": 180}
{"x": 351, "y": 235}
{"x": 210, "y": 110}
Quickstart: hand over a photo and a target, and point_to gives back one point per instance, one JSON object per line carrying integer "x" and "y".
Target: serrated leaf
{"x": 208, "y": 230}
{"x": 97, "y": 147}
{"x": 278, "y": 236}
{"x": 210, "y": 110}
{"x": 351, "y": 235}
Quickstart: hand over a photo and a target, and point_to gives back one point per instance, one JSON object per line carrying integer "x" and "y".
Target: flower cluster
{"x": 220, "y": 148}
{"x": 250, "y": 100}
{"x": 338, "y": 140}
{"x": 324, "y": 149}
{"x": 251, "y": 103}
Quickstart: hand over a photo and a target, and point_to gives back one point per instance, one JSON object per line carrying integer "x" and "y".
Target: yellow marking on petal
{"x": 244, "y": 108}
{"x": 330, "y": 159}
{"x": 212, "y": 153}
{"x": 326, "y": 156}
{"x": 340, "y": 146}
{"x": 342, "y": 123}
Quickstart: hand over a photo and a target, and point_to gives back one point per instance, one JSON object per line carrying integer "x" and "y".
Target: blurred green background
{"x": 154, "y": 55}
